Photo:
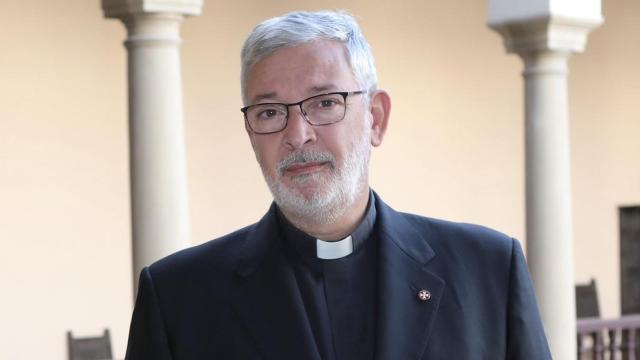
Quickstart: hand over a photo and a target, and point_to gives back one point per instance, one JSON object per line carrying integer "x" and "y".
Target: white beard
{"x": 337, "y": 191}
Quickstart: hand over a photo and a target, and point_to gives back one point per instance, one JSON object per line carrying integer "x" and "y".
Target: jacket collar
{"x": 271, "y": 306}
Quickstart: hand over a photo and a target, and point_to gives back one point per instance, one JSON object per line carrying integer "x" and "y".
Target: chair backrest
{"x": 587, "y": 300}
{"x": 89, "y": 348}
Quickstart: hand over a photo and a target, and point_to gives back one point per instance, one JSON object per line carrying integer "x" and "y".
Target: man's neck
{"x": 336, "y": 230}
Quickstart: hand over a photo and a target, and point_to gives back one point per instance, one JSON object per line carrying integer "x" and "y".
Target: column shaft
{"x": 157, "y": 163}
{"x": 548, "y": 196}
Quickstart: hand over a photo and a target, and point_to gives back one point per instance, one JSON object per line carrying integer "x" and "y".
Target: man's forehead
{"x": 309, "y": 68}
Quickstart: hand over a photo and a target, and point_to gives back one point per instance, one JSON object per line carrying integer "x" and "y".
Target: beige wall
{"x": 605, "y": 107}
{"x": 64, "y": 218}
{"x": 455, "y": 140}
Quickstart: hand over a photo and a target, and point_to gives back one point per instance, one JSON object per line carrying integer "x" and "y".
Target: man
{"x": 331, "y": 271}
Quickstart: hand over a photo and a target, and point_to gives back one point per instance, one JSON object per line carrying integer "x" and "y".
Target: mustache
{"x": 301, "y": 157}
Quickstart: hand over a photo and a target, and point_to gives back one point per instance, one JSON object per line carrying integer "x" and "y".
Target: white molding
{"x": 552, "y": 33}
{"x": 125, "y": 8}
{"x": 502, "y": 11}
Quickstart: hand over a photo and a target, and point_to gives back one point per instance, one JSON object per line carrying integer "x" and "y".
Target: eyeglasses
{"x": 318, "y": 110}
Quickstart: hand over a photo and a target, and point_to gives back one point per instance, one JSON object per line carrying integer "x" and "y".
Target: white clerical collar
{"x": 329, "y": 250}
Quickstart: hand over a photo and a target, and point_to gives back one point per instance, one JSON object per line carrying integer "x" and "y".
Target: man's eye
{"x": 268, "y": 113}
{"x": 327, "y": 103}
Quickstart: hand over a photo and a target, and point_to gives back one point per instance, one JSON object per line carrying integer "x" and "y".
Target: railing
{"x": 609, "y": 339}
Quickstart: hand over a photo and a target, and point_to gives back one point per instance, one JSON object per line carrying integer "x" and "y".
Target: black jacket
{"x": 237, "y": 298}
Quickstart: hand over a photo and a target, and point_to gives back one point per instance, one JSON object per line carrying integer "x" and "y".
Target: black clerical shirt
{"x": 339, "y": 294}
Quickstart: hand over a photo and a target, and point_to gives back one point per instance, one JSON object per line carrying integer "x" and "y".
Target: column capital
{"x": 126, "y": 8}
{"x": 555, "y": 33}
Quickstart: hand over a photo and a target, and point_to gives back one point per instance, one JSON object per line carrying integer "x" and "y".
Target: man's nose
{"x": 298, "y": 131}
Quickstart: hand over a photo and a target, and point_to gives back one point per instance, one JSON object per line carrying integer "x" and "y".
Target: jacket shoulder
{"x": 214, "y": 257}
{"x": 445, "y": 234}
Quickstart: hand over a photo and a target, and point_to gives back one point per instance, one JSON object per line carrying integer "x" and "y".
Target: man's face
{"x": 312, "y": 171}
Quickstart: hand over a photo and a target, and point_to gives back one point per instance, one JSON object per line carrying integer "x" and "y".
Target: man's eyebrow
{"x": 322, "y": 89}
{"x": 314, "y": 90}
{"x": 261, "y": 97}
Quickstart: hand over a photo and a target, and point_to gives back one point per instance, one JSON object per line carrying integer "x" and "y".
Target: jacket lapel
{"x": 268, "y": 300}
{"x": 404, "y": 321}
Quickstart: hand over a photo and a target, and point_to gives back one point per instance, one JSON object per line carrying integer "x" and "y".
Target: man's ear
{"x": 380, "y": 108}
{"x": 250, "y": 135}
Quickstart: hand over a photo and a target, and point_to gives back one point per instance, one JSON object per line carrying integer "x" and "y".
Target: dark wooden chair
{"x": 587, "y": 300}
{"x": 592, "y": 345}
{"x": 89, "y": 348}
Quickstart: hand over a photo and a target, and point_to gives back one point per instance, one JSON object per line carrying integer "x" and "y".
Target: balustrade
{"x": 609, "y": 339}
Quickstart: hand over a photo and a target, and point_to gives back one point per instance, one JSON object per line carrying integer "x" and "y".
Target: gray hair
{"x": 300, "y": 27}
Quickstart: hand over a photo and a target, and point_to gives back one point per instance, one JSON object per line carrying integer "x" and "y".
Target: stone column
{"x": 160, "y": 221}
{"x": 544, "y": 33}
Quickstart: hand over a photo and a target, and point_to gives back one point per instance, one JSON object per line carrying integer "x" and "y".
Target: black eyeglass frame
{"x": 344, "y": 95}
